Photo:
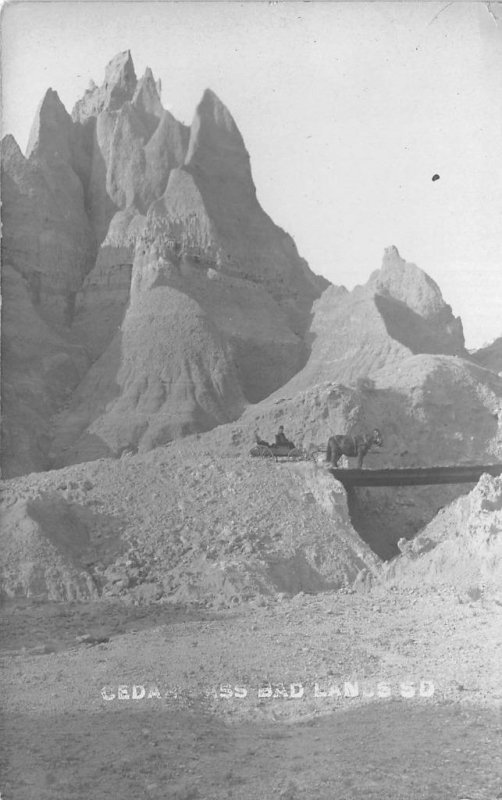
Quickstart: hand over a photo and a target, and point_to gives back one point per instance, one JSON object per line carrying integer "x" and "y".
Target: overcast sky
{"x": 347, "y": 110}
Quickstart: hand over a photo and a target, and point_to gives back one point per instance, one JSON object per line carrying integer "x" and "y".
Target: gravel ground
{"x": 63, "y": 739}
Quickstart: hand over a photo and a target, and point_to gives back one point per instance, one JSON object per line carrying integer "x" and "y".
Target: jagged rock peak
{"x": 408, "y": 283}
{"x": 216, "y": 144}
{"x": 120, "y": 70}
{"x": 392, "y": 257}
{"x": 213, "y": 110}
{"x": 50, "y": 128}
{"x": 146, "y": 96}
{"x": 119, "y": 87}
{"x": 10, "y": 148}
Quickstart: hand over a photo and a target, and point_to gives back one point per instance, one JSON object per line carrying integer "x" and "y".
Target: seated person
{"x": 280, "y": 439}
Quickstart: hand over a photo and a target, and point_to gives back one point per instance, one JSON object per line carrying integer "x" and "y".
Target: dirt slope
{"x": 490, "y": 356}
{"x": 183, "y": 523}
{"x": 461, "y": 547}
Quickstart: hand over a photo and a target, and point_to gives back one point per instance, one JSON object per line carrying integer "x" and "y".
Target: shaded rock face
{"x": 39, "y": 371}
{"x": 46, "y": 235}
{"x": 413, "y": 310}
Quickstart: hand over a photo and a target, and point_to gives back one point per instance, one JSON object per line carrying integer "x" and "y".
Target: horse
{"x": 352, "y": 446}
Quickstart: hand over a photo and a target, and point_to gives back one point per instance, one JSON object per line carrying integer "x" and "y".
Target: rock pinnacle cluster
{"x": 148, "y": 296}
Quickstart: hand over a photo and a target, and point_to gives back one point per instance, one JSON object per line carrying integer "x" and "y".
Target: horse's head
{"x": 377, "y": 437}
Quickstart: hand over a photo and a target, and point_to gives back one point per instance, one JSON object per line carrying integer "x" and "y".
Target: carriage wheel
{"x": 261, "y": 450}
{"x": 295, "y": 453}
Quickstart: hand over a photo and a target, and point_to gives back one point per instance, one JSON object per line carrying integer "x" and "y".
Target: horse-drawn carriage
{"x": 351, "y": 446}
{"x": 288, "y": 452}
{"x": 279, "y": 451}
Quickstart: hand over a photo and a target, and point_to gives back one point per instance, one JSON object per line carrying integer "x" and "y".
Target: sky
{"x": 347, "y": 110}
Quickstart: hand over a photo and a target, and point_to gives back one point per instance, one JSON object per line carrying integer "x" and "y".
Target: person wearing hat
{"x": 281, "y": 440}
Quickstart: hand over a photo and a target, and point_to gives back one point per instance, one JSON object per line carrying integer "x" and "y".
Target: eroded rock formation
{"x": 170, "y": 301}
{"x": 120, "y": 193}
{"x": 398, "y": 312}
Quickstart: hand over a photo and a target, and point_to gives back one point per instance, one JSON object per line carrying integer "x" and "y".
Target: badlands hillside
{"x": 155, "y": 320}
{"x": 148, "y": 296}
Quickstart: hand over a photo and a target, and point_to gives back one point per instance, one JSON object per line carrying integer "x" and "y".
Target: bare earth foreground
{"x": 220, "y": 575}
{"x": 62, "y": 738}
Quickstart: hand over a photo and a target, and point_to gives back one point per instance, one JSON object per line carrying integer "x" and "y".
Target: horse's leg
{"x": 360, "y": 455}
{"x": 335, "y": 458}
{"x": 331, "y": 452}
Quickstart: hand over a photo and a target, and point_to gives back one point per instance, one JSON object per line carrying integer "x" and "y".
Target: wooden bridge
{"x": 418, "y": 476}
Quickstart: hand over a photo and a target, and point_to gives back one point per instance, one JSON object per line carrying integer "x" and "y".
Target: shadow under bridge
{"x": 419, "y": 476}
